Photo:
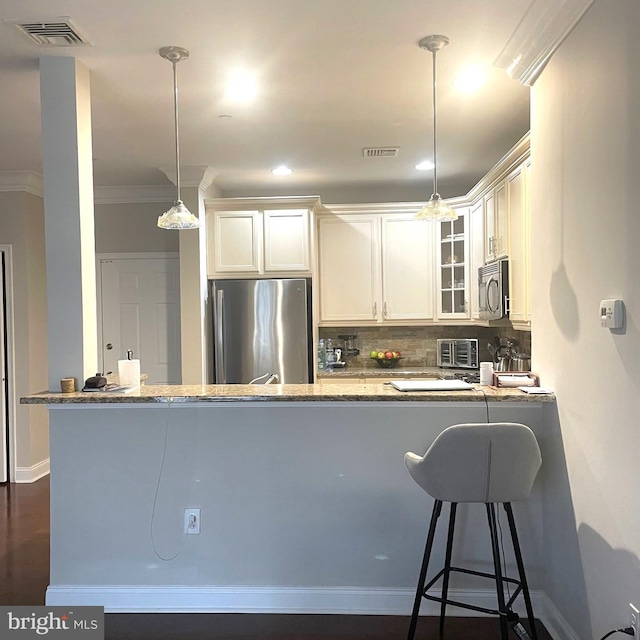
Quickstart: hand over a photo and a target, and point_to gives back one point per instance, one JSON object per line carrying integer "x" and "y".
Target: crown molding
{"x": 408, "y": 208}
{"x": 133, "y": 194}
{"x": 28, "y": 181}
{"x": 268, "y": 202}
{"x": 541, "y": 31}
{"x": 201, "y": 176}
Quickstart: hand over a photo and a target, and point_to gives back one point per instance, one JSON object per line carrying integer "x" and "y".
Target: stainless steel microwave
{"x": 462, "y": 353}
{"x": 493, "y": 290}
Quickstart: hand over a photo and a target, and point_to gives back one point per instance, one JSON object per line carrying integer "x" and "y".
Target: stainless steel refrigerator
{"x": 262, "y": 331}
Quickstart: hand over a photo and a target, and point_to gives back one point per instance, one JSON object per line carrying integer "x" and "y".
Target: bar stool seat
{"x": 490, "y": 463}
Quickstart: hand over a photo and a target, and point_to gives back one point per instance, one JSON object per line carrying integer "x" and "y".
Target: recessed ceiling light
{"x": 471, "y": 79}
{"x": 241, "y": 87}
{"x": 425, "y": 165}
{"x": 282, "y": 170}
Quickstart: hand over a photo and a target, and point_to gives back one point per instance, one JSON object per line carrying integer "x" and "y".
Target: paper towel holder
{"x": 512, "y": 374}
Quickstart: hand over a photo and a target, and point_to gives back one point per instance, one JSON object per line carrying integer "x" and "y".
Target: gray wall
{"x": 296, "y": 499}
{"x": 585, "y": 151}
{"x": 132, "y": 228}
{"x": 22, "y": 227}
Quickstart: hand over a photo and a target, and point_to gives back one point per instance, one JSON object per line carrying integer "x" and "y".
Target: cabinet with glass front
{"x": 453, "y": 267}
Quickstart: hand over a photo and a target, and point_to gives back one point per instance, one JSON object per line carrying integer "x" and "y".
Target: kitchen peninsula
{"x": 305, "y": 503}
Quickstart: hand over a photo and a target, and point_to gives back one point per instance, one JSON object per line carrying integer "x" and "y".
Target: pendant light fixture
{"x": 178, "y": 217}
{"x": 436, "y": 208}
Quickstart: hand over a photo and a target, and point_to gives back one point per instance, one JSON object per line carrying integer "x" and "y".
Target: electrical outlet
{"x": 192, "y": 521}
{"x": 635, "y": 621}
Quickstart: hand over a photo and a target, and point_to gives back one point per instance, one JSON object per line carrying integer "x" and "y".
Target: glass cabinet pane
{"x": 446, "y": 302}
{"x": 447, "y": 277}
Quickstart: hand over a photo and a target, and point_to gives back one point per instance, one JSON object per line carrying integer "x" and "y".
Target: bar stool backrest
{"x": 485, "y": 462}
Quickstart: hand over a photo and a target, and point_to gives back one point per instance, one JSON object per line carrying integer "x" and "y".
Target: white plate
{"x": 430, "y": 385}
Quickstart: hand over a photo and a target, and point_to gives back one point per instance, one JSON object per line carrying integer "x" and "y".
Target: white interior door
{"x": 4, "y": 427}
{"x": 141, "y": 311}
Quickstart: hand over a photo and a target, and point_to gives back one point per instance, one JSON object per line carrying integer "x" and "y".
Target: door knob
{"x": 109, "y": 346}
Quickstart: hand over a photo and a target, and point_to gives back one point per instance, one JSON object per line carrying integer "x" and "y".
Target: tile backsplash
{"x": 418, "y": 344}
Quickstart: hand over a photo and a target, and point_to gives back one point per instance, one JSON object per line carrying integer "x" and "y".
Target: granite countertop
{"x": 397, "y": 372}
{"x": 281, "y": 393}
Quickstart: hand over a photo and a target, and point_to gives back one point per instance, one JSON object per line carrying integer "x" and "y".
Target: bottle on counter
{"x": 330, "y": 356}
{"x": 322, "y": 355}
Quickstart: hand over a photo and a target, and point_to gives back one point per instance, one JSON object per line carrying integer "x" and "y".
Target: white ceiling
{"x": 334, "y": 76}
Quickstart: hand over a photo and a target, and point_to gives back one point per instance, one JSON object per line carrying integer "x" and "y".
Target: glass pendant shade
{"x": 436, "y": 209}
{"x": 178, "y": 217}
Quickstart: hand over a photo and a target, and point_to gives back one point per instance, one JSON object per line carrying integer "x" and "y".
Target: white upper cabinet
{"x": 375, "y": 268}
{"x": 452, "y": 252}
{"x": 527, "y": 243}
{"x": 286, "y": 240}
{"x": 495, "y": 217}
{"x": 407, "y": 268}
{"x": 348, "y": 265}
{"x": 519, "y": 241}
{"x": 235, "y": 242}
{"x": 476, "y": 255}
{"x": 259, "y": 242}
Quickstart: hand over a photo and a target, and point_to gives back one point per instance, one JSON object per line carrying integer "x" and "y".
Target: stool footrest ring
{"x": 482, "y": 574}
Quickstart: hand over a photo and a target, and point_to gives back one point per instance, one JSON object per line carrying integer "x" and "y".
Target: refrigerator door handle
{"x": 273, "y": 378}
{"x": 220, "y": 368}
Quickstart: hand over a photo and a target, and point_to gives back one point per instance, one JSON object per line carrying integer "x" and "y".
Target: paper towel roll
{"x": 516, "y": 381}
{"x": 486, "y": 373}
{"x": 129, "y": 373}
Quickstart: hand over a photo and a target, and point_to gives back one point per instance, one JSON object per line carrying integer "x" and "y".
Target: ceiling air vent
{"x": 59, "y": 32}
{"x": 380, "y": 152}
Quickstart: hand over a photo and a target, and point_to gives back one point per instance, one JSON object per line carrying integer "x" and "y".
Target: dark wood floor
{"x": 24, "y": 576}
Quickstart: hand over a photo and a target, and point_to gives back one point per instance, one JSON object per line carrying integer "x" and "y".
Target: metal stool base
{"x": 504, "y": 610}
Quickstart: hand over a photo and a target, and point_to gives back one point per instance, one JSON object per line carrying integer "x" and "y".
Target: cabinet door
{"x": 489, "y": 227}
{"x": 495, "y": 223}
{"x": 476, "y": 255}
{"x": 237, "y": 242}
{"x": 452, "y": 272}
{"x": 348, "y": 257}
{"x": 501, "y": 221}
{"x": 286, "y": 240}
{"x": 407, "y": 268}
{"x": 517, "y": 248}
{"x": 527, "y": 240}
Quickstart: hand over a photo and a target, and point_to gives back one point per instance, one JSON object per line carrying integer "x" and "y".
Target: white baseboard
{"x": 338, "y": 600}
{"x": 31, "y": 474}
{"x": 554, "y": 622}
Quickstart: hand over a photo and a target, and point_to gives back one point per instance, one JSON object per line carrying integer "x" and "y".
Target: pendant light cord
{"x": 175, "y": 111}
{"x": 435, "y": 128}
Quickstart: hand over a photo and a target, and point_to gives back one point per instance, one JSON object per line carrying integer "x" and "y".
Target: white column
{"x": 194, "y": 307}
{"x": 69, "y": 229}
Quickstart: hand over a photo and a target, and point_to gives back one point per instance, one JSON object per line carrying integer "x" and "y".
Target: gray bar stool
{"x": 489, "y": 463}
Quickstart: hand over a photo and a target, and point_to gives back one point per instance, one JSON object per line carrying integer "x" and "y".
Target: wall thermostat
{"x": 611, "y": 314}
